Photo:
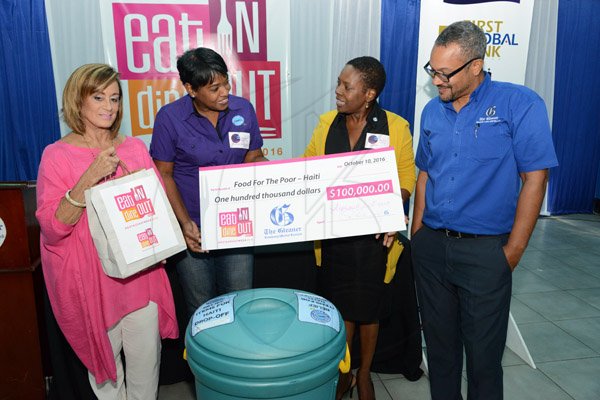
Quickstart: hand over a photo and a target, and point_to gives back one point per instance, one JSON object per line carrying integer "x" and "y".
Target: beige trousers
{"x": 137, "y": 335}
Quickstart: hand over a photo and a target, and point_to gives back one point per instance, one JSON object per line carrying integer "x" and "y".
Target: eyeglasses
{"x": 445, "y": 77}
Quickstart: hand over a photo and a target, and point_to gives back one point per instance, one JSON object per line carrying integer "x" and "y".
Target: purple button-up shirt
{"x": 190, "y": 141}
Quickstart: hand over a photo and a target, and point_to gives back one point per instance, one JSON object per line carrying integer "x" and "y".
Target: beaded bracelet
{"x": 73, "y": 202}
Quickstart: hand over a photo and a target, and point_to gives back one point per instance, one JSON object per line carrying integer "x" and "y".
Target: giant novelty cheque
{"x": 324, "y": 197}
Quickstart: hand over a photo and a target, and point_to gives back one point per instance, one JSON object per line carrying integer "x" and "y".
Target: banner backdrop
{"x": 143, "y": 38}
{"x": 507, "y": 25}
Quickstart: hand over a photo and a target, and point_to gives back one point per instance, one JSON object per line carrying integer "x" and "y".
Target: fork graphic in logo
{"x": 224, "y": 32}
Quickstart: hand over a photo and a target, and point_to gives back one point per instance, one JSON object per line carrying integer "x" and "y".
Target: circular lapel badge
{"x": 237, "y": 120}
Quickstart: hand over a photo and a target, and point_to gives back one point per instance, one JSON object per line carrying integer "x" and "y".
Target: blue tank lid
{"x": 265, "y": 333}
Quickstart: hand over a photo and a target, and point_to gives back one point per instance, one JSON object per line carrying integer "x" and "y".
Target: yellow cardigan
{"x": 401, "y": 141}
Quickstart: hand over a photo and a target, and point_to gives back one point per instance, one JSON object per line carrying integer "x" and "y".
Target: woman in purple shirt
{"x": 204, "y": 128}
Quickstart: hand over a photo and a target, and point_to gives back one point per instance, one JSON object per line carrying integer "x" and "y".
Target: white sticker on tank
{"x": 215, "y": 312}
{"x": 2, "y": 232}
{"x": 317, "y": 310}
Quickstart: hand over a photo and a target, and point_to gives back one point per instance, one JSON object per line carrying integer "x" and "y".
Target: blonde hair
{"x": 83, "y": 82}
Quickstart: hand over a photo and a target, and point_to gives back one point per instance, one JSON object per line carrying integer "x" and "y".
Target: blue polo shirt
{"x": 473, "y": 158}
{"x": 190, "y": 141}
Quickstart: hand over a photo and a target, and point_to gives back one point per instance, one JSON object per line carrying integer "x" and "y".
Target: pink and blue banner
{"x": 143, "y": 39}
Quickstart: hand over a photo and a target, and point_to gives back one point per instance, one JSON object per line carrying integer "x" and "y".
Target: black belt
{"x": 460, "y": 235}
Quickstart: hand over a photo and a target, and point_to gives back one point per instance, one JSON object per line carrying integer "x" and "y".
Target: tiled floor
{"x": 556, "y": 304}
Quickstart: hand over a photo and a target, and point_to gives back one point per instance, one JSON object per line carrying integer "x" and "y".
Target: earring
{"x": 367, "y": 106}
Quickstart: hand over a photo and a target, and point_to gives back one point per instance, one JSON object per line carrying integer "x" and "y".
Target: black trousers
{"x": 464, "y": 288}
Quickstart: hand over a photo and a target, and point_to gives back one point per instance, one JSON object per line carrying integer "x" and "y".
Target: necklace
{"x": 89, "y": 146}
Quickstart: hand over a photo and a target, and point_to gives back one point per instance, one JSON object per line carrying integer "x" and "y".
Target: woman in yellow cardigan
{"x": 357, "y": 268}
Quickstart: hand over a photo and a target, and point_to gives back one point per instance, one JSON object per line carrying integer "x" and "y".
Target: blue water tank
{"x": 266, "y": 344}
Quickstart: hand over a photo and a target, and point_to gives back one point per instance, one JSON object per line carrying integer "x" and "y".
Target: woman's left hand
{"x": 388, "y": 238}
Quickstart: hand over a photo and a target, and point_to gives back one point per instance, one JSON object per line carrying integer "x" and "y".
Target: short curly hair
{"x": 83, "y": 82}
{"x": 371, "y": 71}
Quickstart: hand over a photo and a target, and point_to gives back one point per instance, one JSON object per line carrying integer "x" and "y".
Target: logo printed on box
{"x": 320, "y": 316}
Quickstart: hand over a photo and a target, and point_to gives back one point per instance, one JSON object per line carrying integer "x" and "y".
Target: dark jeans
{"x": 464, "y": 288}
{"x": 207, "y": 275}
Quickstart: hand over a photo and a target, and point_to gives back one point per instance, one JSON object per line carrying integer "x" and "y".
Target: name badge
{"x": 377, "y": 141}
{"x": 239, "y": 140}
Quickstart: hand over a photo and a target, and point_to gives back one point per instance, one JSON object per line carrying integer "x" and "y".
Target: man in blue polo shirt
{"x": 483, "y": 155}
